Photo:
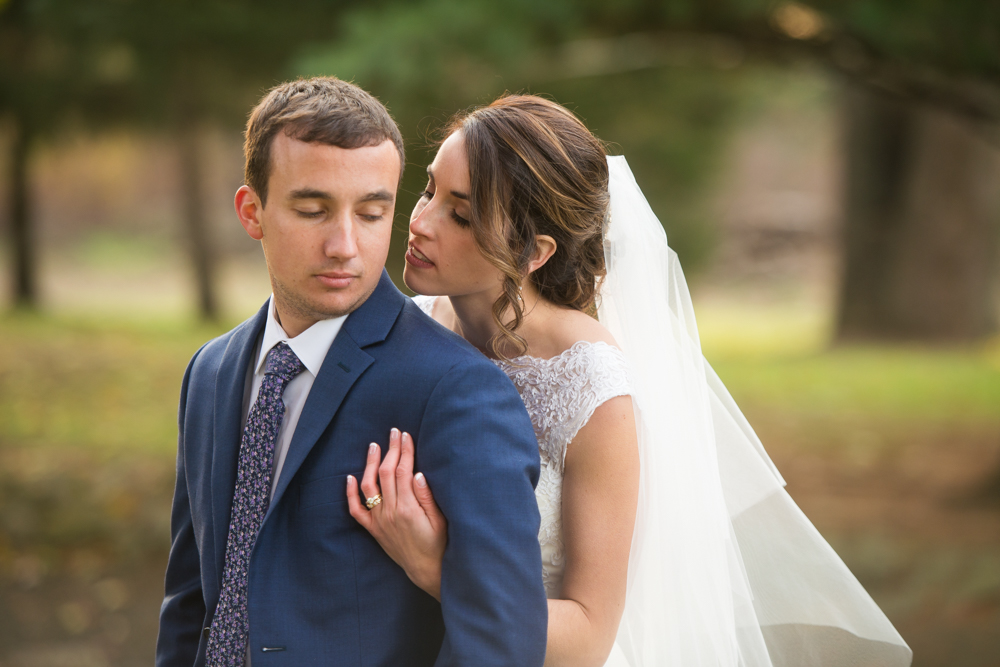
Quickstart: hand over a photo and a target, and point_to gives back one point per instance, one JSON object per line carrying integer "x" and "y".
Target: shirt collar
{"x": 310, "y": 346}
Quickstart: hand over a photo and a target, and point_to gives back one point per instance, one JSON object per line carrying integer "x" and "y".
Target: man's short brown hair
{"x": 323, "y": 110}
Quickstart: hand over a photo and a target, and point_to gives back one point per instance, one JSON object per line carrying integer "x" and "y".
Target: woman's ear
{"x": 545, "y": 247}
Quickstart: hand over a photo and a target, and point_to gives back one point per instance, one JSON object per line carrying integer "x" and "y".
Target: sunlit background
{"x": 828, "y": 173}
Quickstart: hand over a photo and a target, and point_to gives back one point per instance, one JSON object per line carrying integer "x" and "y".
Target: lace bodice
{"x": 560, "y": 395}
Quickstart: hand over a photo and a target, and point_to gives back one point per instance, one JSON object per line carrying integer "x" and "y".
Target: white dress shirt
{"x": 310, "y": 347}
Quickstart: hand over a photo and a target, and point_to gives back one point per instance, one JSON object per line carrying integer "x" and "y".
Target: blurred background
{"x": 829, "y": 174}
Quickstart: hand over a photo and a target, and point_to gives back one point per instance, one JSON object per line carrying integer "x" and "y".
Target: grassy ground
{"x": 883, "y": 449}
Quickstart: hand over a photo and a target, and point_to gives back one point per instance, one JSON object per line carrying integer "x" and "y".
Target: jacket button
{"x": 206, "y": 631}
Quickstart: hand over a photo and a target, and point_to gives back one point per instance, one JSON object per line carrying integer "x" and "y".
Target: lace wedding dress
{"x": 560, "y": 395}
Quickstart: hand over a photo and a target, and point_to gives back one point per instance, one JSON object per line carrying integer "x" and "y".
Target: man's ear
{"x": 248, "y": 210}
{"x": 545, "y": 247}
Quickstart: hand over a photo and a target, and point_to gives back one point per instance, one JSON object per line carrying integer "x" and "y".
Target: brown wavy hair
{"x": 535, "y": 169}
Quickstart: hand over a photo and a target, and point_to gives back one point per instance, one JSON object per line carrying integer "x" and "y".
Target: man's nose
{"x": 341, "y": 241}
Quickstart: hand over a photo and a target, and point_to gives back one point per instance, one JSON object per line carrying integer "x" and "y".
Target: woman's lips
{"x": 414, "y": 257}
{"x": 336, "y": 280}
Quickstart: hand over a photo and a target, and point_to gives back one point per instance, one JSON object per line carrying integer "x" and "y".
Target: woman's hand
{"x": 407, "y": 523}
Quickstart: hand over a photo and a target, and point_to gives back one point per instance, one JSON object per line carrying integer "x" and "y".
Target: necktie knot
{"x": 282, "y": 362}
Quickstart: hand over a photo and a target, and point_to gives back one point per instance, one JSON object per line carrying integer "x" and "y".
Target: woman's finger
{"x": 387, "y": 471}
{"x": 369, "y": 483}
{"x": 404, "y": 472}
{"x": 355, "y": 506}
{"x": 426, "y": 500}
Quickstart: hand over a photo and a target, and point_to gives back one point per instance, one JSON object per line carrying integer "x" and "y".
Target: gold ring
{"x": 373, "y": 501}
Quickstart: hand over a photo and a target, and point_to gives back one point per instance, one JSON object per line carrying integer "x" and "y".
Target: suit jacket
{"x": 321, "y": 591}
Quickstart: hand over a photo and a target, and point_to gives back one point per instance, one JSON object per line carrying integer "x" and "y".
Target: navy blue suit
{"x": 321, "y": 590}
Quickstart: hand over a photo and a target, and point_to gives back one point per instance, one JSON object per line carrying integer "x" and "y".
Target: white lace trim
{"x": 562, "y": 393}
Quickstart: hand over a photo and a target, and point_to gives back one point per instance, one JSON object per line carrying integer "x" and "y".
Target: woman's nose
{"x": 420, "y": 220}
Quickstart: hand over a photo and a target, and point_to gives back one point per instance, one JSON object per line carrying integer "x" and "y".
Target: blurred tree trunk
{"x": 22, "y": 240}
{"x": 921, "y": 221}
{"x": 990, "y": 491}
{"x": 199, "y": 240}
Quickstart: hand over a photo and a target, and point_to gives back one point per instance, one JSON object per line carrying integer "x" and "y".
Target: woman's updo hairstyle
{"x": 535, "y": 169}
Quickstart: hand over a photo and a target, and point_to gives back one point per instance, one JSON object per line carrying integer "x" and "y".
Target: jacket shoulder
{"x": 437, "y": 346}
{"x": 209, "y": 357}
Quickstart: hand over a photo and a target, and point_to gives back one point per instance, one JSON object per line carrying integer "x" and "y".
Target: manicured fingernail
{"x": 372, "y": 448}
{"x": 350, "y": 478}
{"x": 421, "y": 482}
{"x": 394, "y": 432}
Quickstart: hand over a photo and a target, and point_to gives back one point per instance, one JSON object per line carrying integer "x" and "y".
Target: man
{"x": 266, "y": 564}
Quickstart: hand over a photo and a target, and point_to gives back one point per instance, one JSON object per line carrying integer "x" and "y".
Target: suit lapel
{"x": 230, "y": 384}
{"x": 343, "y": 365}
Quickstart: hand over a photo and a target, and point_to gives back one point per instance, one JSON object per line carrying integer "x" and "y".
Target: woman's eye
{"x": 462, "y": 222}
{"x": 426, "y": 194}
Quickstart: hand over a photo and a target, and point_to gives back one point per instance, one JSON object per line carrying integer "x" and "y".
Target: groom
{"x": 266, "y": 564}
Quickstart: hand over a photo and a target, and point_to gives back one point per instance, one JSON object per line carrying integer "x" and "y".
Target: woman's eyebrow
{"x": 454, "y": 193}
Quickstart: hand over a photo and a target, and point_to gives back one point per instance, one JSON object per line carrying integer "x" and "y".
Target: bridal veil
{"x": 724, "y": 569}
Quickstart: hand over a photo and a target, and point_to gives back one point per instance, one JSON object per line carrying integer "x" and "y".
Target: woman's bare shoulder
{"x": 572, "y": 327}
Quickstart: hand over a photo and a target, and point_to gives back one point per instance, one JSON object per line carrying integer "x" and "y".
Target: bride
{"x": 666, "y": 535}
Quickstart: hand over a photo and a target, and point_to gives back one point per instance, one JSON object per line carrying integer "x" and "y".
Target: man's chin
{"x": 340, "y": 303}
{"x": 330, "y": 308}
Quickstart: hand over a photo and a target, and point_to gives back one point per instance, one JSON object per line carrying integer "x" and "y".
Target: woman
{"x": 721, "y": 568}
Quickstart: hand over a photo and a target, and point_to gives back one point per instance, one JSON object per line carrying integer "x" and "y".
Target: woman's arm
{"x": 600, "y": 492}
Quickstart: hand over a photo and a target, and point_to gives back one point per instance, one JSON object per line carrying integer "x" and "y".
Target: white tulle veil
{"x": 724, "y": 569}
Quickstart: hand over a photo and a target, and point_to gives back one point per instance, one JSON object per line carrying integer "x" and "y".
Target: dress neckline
{"x": 525, "y": 359}
{"x": 568, "y": 352}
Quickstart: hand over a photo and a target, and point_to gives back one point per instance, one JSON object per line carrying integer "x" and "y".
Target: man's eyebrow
{"x": 312, "y": 193}
{"x": 309, "y": 193}
{"x": 378, "y": 195}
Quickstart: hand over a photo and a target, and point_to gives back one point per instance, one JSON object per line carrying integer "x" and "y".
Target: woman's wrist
{"x": 428, "y": 579}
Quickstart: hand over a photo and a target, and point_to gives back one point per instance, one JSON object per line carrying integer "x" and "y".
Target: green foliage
{"x": 899, "y": 386}
{"x": 959, "y": 36}
{"x": 775, "y": 358}
{"x": 160, "y": 62}
{"x": 73, "y": 383}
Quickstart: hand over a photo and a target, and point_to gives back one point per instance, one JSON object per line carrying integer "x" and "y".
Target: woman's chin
{"x": 415, "y": 282}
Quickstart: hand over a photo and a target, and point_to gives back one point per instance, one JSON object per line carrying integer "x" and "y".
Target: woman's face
{"x": 442, "y": 257}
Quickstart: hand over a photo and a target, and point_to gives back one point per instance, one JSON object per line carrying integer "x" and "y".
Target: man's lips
{"x": 417, "y": 258}
{"x": 336, "y": 279}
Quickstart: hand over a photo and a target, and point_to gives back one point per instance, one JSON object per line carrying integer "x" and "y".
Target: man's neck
{"x": 291, "y": 323}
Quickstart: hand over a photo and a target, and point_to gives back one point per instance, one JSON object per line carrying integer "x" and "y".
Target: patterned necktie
{"x": 227, "y": 640}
